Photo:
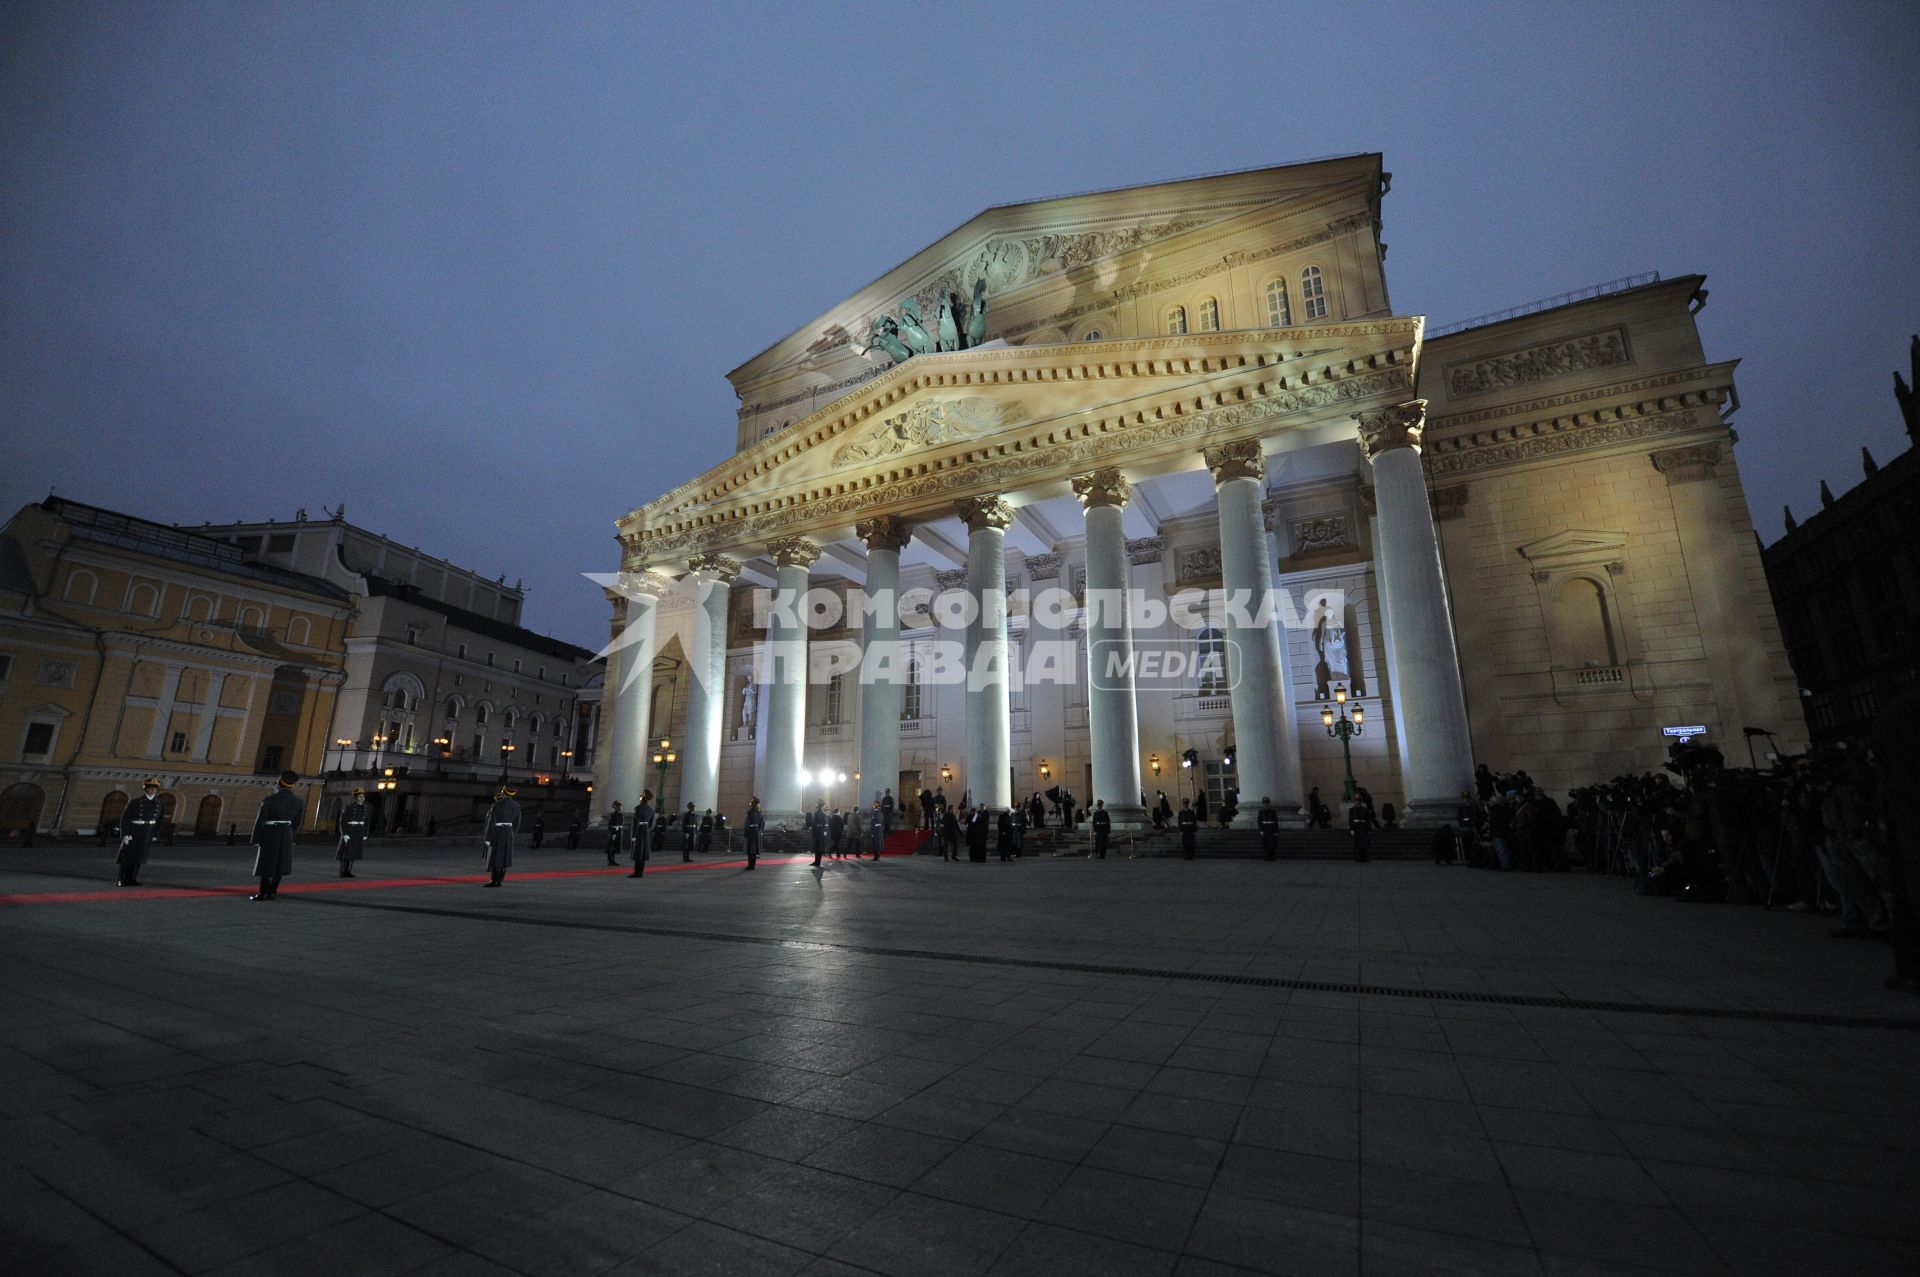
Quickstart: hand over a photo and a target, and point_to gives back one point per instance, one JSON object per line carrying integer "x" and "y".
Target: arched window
{"x": 1092, "y": 334}
{"x": 81, "y": 587}
{"x": 1313, "y": 293}
{"x": 199, "y": 608}
{"x": 1177, "y": 321}
{"x": 510, "y": 719}
{"x": 480, "y": 714}
{"x": 299, "y": 632}
{"x": 910, "y": 694}
{"x": 1584, "y": 624}
{"x": 207, "y": 820}
{"x": 111, "y": 809}
{"x": 453, "y": 708}
{"x": 144, "y": 600}
{"x": 1210, "y": 315}
{"x": 252, "y": 619}
{"x": 1210, "y": 660}
{"x": 1279, "y": 313}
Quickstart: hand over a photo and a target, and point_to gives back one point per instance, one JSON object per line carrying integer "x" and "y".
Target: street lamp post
{"x": 342, "y": 744}
{"x": 506, "y": 751}
{"x": 566, "y": 765}
{"x": 664, "y": 756}
{"x": 1344, "y": 729}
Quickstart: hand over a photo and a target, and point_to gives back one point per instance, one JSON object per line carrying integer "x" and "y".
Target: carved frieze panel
{"x": 1315, "y": 534}
{"x": 1043, "y": 567}
{"x": 1573, "y": 439}
{"x": 1199, "y": 566}
{"x": 1538, "y": 363}
{"x": 1145, "y": 550}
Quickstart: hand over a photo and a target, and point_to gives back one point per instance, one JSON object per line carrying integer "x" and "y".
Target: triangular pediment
{"x": 1575, "y": 543}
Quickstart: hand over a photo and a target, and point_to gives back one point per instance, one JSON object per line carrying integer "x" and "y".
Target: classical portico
{"x": 1178, "y": 485}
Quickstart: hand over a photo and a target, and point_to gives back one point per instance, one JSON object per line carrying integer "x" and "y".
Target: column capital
{"x": 639, "y": 583}
{"x": 718, "y": 566}
{"x": 793, "y": 552}
{"x": 984, "y": 512}
{"x": 1689, "y": 464}
{"x": 1105, "y": 486}
{"x": 1397, "y": 427}
{"x": 1241, "y": 460}
{"x": 884, "y": 532}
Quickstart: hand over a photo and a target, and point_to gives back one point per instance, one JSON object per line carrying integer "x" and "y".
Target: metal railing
{"x": 1612, "y": 286}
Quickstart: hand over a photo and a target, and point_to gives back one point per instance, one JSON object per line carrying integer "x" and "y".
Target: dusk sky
{"x": 479, "y": 270}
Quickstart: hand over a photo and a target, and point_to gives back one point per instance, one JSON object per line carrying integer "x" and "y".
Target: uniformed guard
{"x": 617, "y": 834}
{"x": 837, "y": 832}
{"x": 640, "y": 830}
{"x": 1188, "y": 822}
{"x": 756, "y": 820}
{"x": 1268, "y": 822}
{"x": 539, "y": 829}
{"x": 1102, "y": 828}
{"x": 689, "y": 830}
{"x": 138, "y": 825}
{"x": 877, "y": 827}
{"x": 273, "y": 831}
{"x": 354, "y": 819}
{"x": 887, "y": 809}
{"x": 705, "y": 841}
{"x": 1360, "y": 826}
{"x": 817, "y": 831}
{"x": 503, "y": 822}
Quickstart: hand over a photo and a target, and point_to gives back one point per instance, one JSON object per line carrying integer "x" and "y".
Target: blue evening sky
{"x": 478, "y": 269}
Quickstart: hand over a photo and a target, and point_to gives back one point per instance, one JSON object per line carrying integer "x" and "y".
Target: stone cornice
{"x": 1707, "y": 384}
{"x": 1042, "y": 452}
{"x": 1543, "y": 439}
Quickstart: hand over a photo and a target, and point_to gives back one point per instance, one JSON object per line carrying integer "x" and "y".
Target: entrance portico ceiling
{"x": 1020, "y": 422}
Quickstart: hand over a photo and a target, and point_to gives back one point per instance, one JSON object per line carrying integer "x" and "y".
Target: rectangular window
{"x": 6, "y": 666}
{"x": 39, "y": 741}
{"x": 479, "y": 743}
{"x": 463, "y": 651}
{"x": 542, "y": 671}
{"x": 179, "y": 745}
{"x": 516, "y": 665}
{"x": 270, "y": 758}
{"x": 489, "y": 658}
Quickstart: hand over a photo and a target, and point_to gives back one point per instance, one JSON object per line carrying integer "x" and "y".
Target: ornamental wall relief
{"x": 925, "y": 424}
{"x": 1538, "y": 363}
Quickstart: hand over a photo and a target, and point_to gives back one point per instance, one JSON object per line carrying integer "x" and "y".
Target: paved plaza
{"x": 1055, "y": 1066}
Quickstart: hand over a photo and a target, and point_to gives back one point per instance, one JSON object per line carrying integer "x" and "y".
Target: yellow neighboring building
{"x": 130, "y": 648}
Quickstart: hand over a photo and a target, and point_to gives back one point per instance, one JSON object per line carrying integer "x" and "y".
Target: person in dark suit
{"x": 836, "y": 832}
{"x": 1188, "y": 821}
{"x": 1102, "y": 828}
{"x": 689, "y": 829}
{"x": 1003, "y": 837}
{"x": 926, "y": 810}
{"x": 273, "y": 831}
{"x": 977, "y": 836}
{"x": 817, "y": 831}
{"x": 640, "y": 834}
{"x": 503, "y": 826}
{"x": 354, "y": 819}
{"x": 539, "y": 829}
{"x": 751, "y": 825}
{"x": 139, "y": 824}
{"x": 722, "y": 840}
{"x": 949, "y": 835}
{"x": 704, "y": 842}
{"x": 1267, "y": 821}
{"x": 616, "y": 833}
{"x": 1019, "y": 829}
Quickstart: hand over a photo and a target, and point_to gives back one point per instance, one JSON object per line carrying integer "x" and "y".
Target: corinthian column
{"x": 710, "y": 576}
{"x": 989, "y": 709}
{"x": 787, "y": 697}
{"x": 1113, "y": 713}
{"x": 882, "y": 663}
{"x": 1267, "y": 754}
{"x": 1433, "y": 709}
{"x": 629, "y": 687}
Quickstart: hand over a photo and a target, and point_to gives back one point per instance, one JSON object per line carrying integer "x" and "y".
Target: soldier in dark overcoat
{"x": 722, "y": 841}
{"x": 877, "y": 829}
{"x": 751, "y": 825}
{"x": 503, "y": 823}
{"x": 273, "y": 831}
{"x": 1268, "y": 822}
{"x": 139, "y": 825}
{"x": 641, "y": 829}
{"x": 817, "y": 831}
{"x": 355, "y": 818}
{"x": 1188, "y": 821}
{"x": 705, "y": 841}
{"x": 616, "y": 833}
{"x": 1360, "y": 822}
{"x": 977, "y": 836}
{"x": 689, "y": 829}
{"x": 1102, "y": 828}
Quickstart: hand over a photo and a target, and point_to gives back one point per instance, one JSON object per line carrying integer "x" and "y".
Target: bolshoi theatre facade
{"x": 1199, "y": 479}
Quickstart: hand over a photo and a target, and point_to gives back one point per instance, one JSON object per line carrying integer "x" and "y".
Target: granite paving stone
{"x": 710, "y": 1071}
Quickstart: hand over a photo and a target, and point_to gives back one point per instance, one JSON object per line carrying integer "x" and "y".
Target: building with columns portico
{"x": 1523, "y": 541}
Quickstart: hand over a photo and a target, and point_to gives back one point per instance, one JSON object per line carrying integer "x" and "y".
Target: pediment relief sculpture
{"x": 927, "y": 424}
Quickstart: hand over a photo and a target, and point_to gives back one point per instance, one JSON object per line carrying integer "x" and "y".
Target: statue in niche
{"x": 913, "y": 330}
{"x": 749, "y": 704}
{"x": 1333, "y": 665}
